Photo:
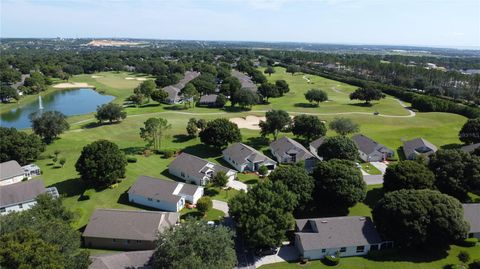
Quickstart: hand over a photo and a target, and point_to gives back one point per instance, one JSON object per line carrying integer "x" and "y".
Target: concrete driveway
{"x": 373, "y": 179}
{"x": 238, "y": 185}
{"x": 285, "y": 254}
{"x": 380, "y": 166}
{"x": 220, "y": 205}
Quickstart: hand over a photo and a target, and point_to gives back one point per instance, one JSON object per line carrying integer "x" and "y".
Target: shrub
{"x": 464, "y": 256}
{"x": 204, "y": 204}
{"x": 263, "y": 170}
{"x": 168, "y": 154}
{"x": 331, "y": 260}
{"x": 131, "y": 159}
{"x": 469, "y": 242}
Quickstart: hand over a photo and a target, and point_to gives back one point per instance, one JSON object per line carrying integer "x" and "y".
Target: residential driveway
{"x": 238, "y": 185}
{"x": 380, "y": 166}
{"x": 220, "y": 205}
{"x": 373, "y": 179}
{"x": 285, "y": 254}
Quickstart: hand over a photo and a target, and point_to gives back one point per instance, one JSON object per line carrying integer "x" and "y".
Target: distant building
{"x": 347, "y": 236}
{"x": 22, "y": 196}
{"x": 245, "y": 80}
{"x": 208, "y": 100}
{"x": 287, "y": 150}
{"x": 123, "y": 260}
{"x": 315, "y": 144}
{"x": 370, "y": 150}
{"x": 11, "y": 172}
{"x": 126, "y": 229}
{"x": 470, "y": 148}
{"x": 163, "y": 194}
{"x": 196, "y": 170}
{"x": 418, "y": 147}
{"x": 246, "y": 158}
{"x": 174, "y": 96}
{"x": 471, "y": 213}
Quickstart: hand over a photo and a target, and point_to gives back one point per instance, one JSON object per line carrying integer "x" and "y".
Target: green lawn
{"x": 372, "y": 170}
{"x": 212, "y": 214}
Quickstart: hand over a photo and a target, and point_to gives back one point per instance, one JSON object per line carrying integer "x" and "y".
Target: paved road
{"x": 238, "y": 185}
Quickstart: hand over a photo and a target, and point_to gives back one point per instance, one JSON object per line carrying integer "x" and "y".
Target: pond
{"x": 69, "y": 102}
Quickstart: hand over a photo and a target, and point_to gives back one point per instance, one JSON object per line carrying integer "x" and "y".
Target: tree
{"x": 154, "y": 131}
{"x": 19, "y": 146}
{"x": 62, "y": 161}
{"x": 36, "y": 83}
{"x": 111, "y": 112}
{"x": 338, "y": 147}
{"x": 7, "y": 93}
{"x": 262, "y": 170}
{"x": 244, "y": 98}
{"x": 293, "y": 69}
{"x": 470, "y": 132}
{"x": 420, "y": 217}
{"x": 49, "y": 125}
{"x": 146, "y": 89}
{"x": 192, "y": 128}
{"x": 308, "y": 126}
{"x": 297, "y": 181}
{"x": 264, "y": 213}
{"x": 463, "y": 256}
{"x": 201, "y": 124}
{"x": 190, "y": 94}
{"x": 219, "y": 133}
{"x": 282, "y": 86}
{"x": 367, "y": 94}
{"x": 339, "y": 181}
{"x": 195, "y": 244}
{"x": 159, "y": 95}
{"x": 230, "y": 86}
{"x": 269, "y": 70}
{"x": 221, "y": 101}
{"x": 204, "y": 204}
{"x": 408, "y": 175}
{"x": 220, "y": 179}
{"x": 137, "y": 99}
{"x": 268, "y": 90}
{"x": 316, "y": 95}
{"x": 276, "y": 121}
{"x": 344, "y": 126}
{"x": 101, "y": 163}
{"x": 456, "y": 172}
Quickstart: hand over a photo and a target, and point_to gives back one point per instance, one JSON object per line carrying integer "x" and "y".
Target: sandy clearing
{"x": 249, "y": 122}
{"x": 129, "y": 78}
{"x": 94, "y": 76}
{"x": 141, "y": 79}
{"x": 73, "y": 85}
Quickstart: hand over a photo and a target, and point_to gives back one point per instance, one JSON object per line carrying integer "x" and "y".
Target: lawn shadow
{"x": 222, "y": 162}
{"x": 362, "y": 104}
{"x": 202, "y": 151}
{"x": 305, "y": 105}
{"x": 70, "y": 187}
{"x": 414, "y": 255}
{"x": 251, "y": 181}
{"x": 181, "y": 138}
{"x": 451, "y": 146}
{"x": 192, "y": 215}
{"x": 95, "y": 124}
{"x": 133, "y": 150}
{"x": 401, "y": 154}
{"x": 235, "y": 109}
{"x": 175, "y": 107}
{"x": 258, "y": 142}
{"x": 316, "y": 209}
{"x": 150, "y": 105}
{"x": 373, "y": 196}
{"x": 211, "y": 192}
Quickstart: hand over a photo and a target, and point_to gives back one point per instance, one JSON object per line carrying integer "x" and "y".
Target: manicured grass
{"x": 212, "y": 214}
{"x": 372, "y": 170}
{"x": 248, "y": 178}
{"x": 374, "y": 193}
{"x": 392, "y": 260}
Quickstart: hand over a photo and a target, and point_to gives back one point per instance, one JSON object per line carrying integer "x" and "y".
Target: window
{"x": 158, "y": 201}
{"x": 323, "y": 250}
{"x": 150, "y": 199}
{"x": 139, "y": 241}
{"x": 344, "y": 249}
{"x": 182, "y": 174}
{"x": 114, "y": 240}
{"x": 374, "y": 247}
{"x": 2, "y": 210}
{"x": 128, "y": 241}
{"x": 20, "y": 205}
{"x": 360, "y": 249}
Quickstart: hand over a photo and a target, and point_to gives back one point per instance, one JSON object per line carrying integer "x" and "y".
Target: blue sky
{"x": 453, "y": 23}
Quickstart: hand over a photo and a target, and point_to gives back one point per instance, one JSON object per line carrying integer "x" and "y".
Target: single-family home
{"x": 370, "y": 150}
{"x": 471, "y": 213}
{"x": 31, "y": 170}
{"x": 196, "y": 170}
{"x": 209, "y": 100}
{"x": 315, "y": 144}
{"x": 163, "y": 194}
{"x": 174, "y": 96}
{"x": 470, "y": 148}
{"x": 245, "y": 81}
{"x": 140, "y": 259}
{"x": 347, "y": 236}
{"x": 126, "y": 229}
{"x": 22, "y": 195}
{"x": 418, "y": 147}
{"x": 11, "y": 172}
{"x": 287, "y": 150}
{"x": 246, "y": 158}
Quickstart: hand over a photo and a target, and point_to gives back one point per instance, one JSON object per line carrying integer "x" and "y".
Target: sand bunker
{"x": 129, "y": 78}
{"x": 74, "y": 85}
{"x": 139, "y": 79}
{"x": 249, "y": 122}
{"x": 97, "y": 76}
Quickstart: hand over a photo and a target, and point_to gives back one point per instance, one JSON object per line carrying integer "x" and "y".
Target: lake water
{"x": 69, "y": 102}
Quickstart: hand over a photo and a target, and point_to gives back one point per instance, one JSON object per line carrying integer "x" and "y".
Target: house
{"x": 11, "y": 172}
{"x": 208, "y": 100}
{"x": 315, "y": 144}
{"x": 470, "y": 148}
{"x": 163, "y": 194}
{"x": 243, "y": 157}
{"x": 287, "y": 150}
{"x": 471, "y": 213}
{"x": 196, "y": 170}
{"x": 22, "y": 195}
{"x": 347, "y": 236}
{"x": 370, "y": 150}
{"x": 418, "y": 147}
{"x": 132, "y": 260}
{"x": 245, "y": 81}
{"x": 126, "y": 229}
{"x": 174, "y": 96}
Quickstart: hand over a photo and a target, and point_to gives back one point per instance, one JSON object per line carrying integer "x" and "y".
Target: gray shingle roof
{"x": 245, "y": 80}
{"x": 471, "y": 213}
{"x": 336, "y": 232}
{"x": 409, "y": 147}
{"x": 470, "y": 148}
{"x": 194, "y": 166}
{"x": 174, "y": 90}
{"x": 240, "y": 152}
{"x": 129, "y": 224}
{"x": 123, "y": 260}
{"x": 208, "y": 99}
{"x": 157, "y": 189}
{"x": 368, "y": 145}
{"x": 10, "y": 169}
{"x": 287, "y": 146}
{"x": 317, "y": 142}
{"x": 21, "y": 192}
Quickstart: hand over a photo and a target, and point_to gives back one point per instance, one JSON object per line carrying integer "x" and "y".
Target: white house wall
{"x": 12, "y": 180}
{"x": 18, "y": 208}
{"x": 159, "y": 204}
{"x": 317, "y": 254}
